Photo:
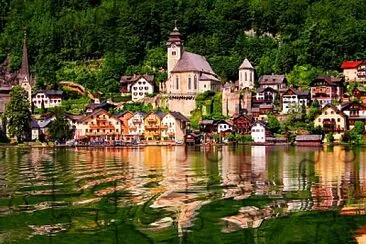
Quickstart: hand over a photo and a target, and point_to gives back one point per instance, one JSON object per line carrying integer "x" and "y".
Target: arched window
{"x": 241, "y": 76}
{"x": 177, "y": 83}
{"x": 195, "y": 82}
{"x": 250, "y": 77}
{"x": 189, "y": 83}
{"x": 245, "y": 75}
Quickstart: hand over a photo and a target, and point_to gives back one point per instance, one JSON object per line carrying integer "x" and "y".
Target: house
{"x": 242, "y": 123}
{"x": 332, "y": 120}
{"x": 100, "y": 125}
{"x": 137, "y": 85}
{"x": 173, "y": 127}
{"x": 39, "y": 129}
{"x": 308, "y": 140}
{"x": 325, "y": 89}
{"x": 354, "y": 70}
{"x": 276, "y": 82}
{"x": 262, "y": 111}
{"x": 49, "y": 98}
{"x": 124, "y": 117}
{"x": 208, "y": 126}
{"x": 152, "y": 123}
{"x": 96, "y": 106}
{"x": 360, "y": 93}
{"x": 136, "y": 126}
{"x": 188, "y": 75}
{"x": 265, "y": 95}
{"x": 192, "y": 139}
{"x": 355, "y": 111}
{"x": 294, "y": 99}
{"x": 259, "y": 131}
{"x": 246, "y": 75}
{"x": 224, "y": 126}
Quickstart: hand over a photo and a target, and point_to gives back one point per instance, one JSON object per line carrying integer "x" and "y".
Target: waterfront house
{"x": 224, "y": 127}
{"x": 308, "y": 140}
{"x": 189, "y": 74}
{"x": 49, "y": 98}
{"x": 354, "y": 71}
{"x": 276, "y": 82}
{"x": 332, "y": 120}
{"x": 293, "y": 99}
{"x": 242, "y": 123}
{"x": 136, "y": 126}
{"x": 152, "y": 123}
{"x": 327, "y": 89}
{"x": 40, "y": 128}
{"x": 355, "y": 111}
{"x": 259, "y": 131}
{"x": 100, "y": 126}
{"x": 173, "y": 127}
{"x": 208, "y": 126}
{"x": 124, "y": 117}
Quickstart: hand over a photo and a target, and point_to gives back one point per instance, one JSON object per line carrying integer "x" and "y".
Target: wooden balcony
{"x": 101, "y": 127}
{"x": 152, "y": 120}
{"x": 136, "y": 121}
{"x": 152, "y": 127}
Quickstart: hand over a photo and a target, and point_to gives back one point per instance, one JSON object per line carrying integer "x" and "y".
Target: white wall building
{"x": 50, "y": 98}
{"x": 258, "y": 131}
{"x": 293, "y": 99}
{"x": 223, "y": 126}
{"x": 136, "y": 126}
{"x": 141, "y": 87}
{"x": 246, "y": 75}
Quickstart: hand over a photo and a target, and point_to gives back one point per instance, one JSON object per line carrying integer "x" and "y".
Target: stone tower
{"x": 175, "y": 49}
{"x": 24, "y": 78}
{"x": 246, "y": 75}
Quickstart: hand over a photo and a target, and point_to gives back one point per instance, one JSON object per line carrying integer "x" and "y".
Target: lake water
{"x": 244, "y": 194}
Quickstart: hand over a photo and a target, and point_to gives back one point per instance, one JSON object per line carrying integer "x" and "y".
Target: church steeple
{"x": 175, "y": 48}
{"x": 23, "y": 75}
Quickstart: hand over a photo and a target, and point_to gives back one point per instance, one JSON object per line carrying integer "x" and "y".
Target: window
{"x": 195, "y": 82}
{"x": 241, "y": 77}
{"x": 177, "y": 83}
{"x": 204, "y": 86}
{"x": 189, "y": 83}
{"x": 135, "y": 88}
{"x": 339, "y": 120}
{"x": 174, "y": 53}
{"x": 146, "y": 88}
{"x": 245, "y": 75}
{"x": 250, "y": 77}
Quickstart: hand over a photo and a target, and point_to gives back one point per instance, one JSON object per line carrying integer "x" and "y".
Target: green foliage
{"x": 18, "y": 114}
{"x": 138, "y": 107}
{"x": 329, "y": 137}
{"x": 302, "y": 75}
{"x": 75, "y": 106}
{"x": 274, "y": 124}
{"x": 355, "y": 136}
{"x": 59, "y": 128}
{"x": 117, "y": 98}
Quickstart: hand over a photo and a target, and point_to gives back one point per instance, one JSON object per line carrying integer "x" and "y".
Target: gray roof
{"x": 40, "y": 123}
{"x": 206, "y": 122}
{"x": 260, "y": 90}
{"x": 309, "y": 137}
{"x": 193, "y": 62}
{"x": 205, "y": 76}
{"x": 179, "y": 116}
{"x": 272, "y": 79}
{"x": 246, "y": 64}
{"x": 50, "y": 92}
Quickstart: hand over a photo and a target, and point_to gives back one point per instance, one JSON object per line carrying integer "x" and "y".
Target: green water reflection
{"x": 245, "y": 194}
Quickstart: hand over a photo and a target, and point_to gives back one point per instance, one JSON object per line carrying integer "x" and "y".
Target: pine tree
{"x": 18, "y": 114}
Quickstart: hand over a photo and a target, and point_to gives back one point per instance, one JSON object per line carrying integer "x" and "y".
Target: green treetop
{"x": 18, "y": 114}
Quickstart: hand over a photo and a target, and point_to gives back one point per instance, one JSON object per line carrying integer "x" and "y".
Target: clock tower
{"x": 175, "y": 49}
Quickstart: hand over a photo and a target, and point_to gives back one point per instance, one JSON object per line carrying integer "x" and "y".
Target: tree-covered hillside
{"x": 93, "y": 42}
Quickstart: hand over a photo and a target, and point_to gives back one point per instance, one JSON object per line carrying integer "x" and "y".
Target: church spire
{"x": 23, "y": 75}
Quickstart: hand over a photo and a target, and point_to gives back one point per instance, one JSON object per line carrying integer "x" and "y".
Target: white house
{"x": 173, "y": 126}
{"x": 259, "y": 131}
{"x": 224, "y": 126}
{"x": 49, "y": 98}
{"x": 141, "y": 87}
{"x": 294, "y": 99}
{"x": 136, "y": 126}
{"x": 39, "y": 127}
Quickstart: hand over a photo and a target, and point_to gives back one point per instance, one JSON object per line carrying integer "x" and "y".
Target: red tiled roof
{"x": 351, "y": 64}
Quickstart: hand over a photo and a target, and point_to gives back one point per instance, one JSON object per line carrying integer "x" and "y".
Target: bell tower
{"x": 24, "y": 78}
{"x": 175, "y": 49}
{"x": 246, "y": 75}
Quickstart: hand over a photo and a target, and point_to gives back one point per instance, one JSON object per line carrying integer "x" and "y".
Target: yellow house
{"x": 99, "y": 126}
{"x": 152, "y": 122}
{"x": 332, "y": 120}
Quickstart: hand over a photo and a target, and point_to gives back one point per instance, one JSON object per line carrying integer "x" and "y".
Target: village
{"x": 263, "y": 110}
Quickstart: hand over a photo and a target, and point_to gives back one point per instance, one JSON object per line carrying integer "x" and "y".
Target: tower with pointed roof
{"x": 24, "y": 78}
{"x": 175, "y": 48}
{"x": 246, "y": 75}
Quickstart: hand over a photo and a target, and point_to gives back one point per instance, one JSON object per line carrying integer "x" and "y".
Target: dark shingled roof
{"x": 179, "y": 116}
{"x": 330, "y": 80}
{"x": 136, "y": 77}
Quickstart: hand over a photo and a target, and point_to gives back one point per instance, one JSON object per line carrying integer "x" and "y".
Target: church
{"x": 189, "y": 74}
